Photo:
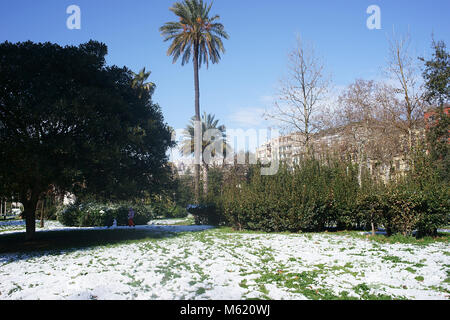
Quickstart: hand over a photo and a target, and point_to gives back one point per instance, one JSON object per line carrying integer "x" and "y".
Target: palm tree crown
{"x": 139, "y": 80}
{"x": 208, "y": 122}
{"x": 195, "y": 33}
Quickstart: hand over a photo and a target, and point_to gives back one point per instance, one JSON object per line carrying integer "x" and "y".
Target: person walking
{"x": 131, "y": 217}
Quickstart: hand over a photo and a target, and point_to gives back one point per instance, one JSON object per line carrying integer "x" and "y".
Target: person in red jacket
{"x": 131, "y": 217}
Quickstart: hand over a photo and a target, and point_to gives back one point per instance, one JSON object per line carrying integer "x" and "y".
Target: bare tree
{"x": 301, "y": 94}
{"x": 404, "y": 70}
{"x": 357, "y": 118}
{"x": 362, "y": 121}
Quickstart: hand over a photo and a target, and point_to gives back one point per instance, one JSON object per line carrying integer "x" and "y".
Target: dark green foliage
{"x": 311, "y": 197}
{"x": 68, "y": 120}
{"x": 435, "y": 212}
{"x": 165, "y": 206}
{"x": 438, "y": 139}
{"x": 401, "y": 210}
{"x": 142, "y": 214}
{"x": 94, "y": 215}
{"x": 206, "y": 214}
{"x": 68, "y": 215}
{"x": 437, "y": 74}
{"x": 317, "y": 196}
{"x": 369, "y": 210}
{"x": 183, "y": 190}
{"x": 176, "y": 212}
{"x": 101, "y": 215}
{"x": 215, "y": 183}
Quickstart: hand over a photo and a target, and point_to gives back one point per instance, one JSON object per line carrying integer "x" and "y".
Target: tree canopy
{"x": 437, "y": 74}
{"x": 196, "y": 34}
{"x": 69, "y": 121}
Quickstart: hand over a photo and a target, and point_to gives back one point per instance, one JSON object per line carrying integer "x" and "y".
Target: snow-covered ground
{"x": 204, "y": 263}
{"x": 170, "y": 221}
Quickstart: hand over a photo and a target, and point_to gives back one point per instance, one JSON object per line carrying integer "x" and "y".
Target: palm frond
{"x": 194, "y": 29}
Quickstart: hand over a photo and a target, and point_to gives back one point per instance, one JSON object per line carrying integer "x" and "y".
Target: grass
{"x": 442, "y": 237}
{"x": 409, "y": 269}
{"x": 293, "y": 275}
{"x": 307, "y": 283}
{"x": 419, "y": 278}
{"x": 395, "y": 259}
{"x": 379, "y": 238}
{"x": 63, "y": 240}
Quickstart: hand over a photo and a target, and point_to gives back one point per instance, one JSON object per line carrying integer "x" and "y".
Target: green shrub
{"x": 143, "y": 214}
{"x": 205, "y": 214}
{"x": 98, "y": 215}
{"x": 401, "y": 211}
{"x": 165, "y": 207}
{"x": 368, "y": 211}
{"x": 68, "y": 215}
{"x": 176, "y": 212}
{"x": 435, "y": 212}
{"x": 95, "y": 215}
{"x": 317, "y": 195}
{"x": 309, "y": 197}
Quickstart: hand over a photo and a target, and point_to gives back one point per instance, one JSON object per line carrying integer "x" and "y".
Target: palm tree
{"x": 199, "y": 36}
{"x": 187, "y": 148}
{"x": 139, "y": 80}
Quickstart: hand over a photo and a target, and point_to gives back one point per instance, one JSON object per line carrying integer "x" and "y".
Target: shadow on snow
{"x": 51, "y": 242}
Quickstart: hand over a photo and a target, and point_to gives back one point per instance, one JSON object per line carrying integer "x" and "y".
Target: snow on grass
{"x": 202, "y": 263}
{"x": 187, "y": 220}
{"x": 9, "y": 226}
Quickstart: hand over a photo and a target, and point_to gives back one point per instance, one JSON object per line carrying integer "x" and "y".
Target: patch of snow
{"x": 203, "y": 263}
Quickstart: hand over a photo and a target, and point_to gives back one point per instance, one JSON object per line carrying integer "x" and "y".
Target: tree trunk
{"x": 29, "y": 213}
{"x": 360, "y": 165}
{"x": 42, "y": 214}
{"x": 30, "y": 219}
{"x": 387, "y": 173}
{"x": 205, "y": 177}
{"x": 198, "y": 136}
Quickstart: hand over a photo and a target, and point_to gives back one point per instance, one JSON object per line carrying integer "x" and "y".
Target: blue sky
{"x": 261, "y": 34}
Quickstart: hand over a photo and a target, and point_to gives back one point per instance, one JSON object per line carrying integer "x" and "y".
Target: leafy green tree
{"x": 437, "y": 75}
{"x": 69, "y": 121}
{"x": 218, "y": 133}
{"x": 437, "y": 83}
{"x": 438, "y": 138}
{"x": 196, "y": 35}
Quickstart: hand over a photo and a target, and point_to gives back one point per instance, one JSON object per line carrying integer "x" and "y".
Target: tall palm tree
{"x": 199, "y": 36}
{"x": 187, "y": 147}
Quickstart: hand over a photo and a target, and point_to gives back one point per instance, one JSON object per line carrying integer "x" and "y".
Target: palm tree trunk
{"x": 205, "y": 177}
{"x": 197, "y": 126}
